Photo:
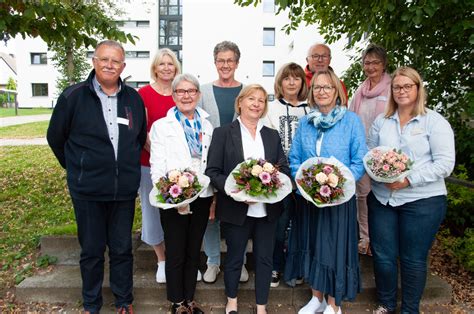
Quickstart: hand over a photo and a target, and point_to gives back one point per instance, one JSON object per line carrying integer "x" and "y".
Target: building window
{"x": 268, "y": 68}
{"x": 133, "y": 24}
{"x": 269, "y": 6}
{"x": 170, "y": 32}
{"x": 39, "y": 89}
{"x": 137, "y": 54}
{"x": 39, "y": 58}
{"x": 269, "y": 37}
{"x": 135, "y": 84}
{"x": 90, "y": 54}
{"x": 271, "y": 97}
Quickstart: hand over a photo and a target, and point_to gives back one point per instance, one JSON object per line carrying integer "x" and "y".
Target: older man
{"x": 97, "y": 131}
{"x": 319, "y": 58}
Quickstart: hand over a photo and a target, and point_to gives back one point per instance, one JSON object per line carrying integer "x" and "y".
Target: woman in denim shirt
{"x": 323, "y": 241}
{"x": 405, "y": 216}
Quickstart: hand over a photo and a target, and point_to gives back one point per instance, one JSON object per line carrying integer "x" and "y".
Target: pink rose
{"x": 325, "y": 191}
{"x": 265, "y": 177}
{"x": 327, "y": 169}
{"x": 385, "y": 167}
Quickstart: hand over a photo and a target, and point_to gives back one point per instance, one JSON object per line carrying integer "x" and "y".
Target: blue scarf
{"x": 192, "y": 134}
{"x": 324, "y": 122}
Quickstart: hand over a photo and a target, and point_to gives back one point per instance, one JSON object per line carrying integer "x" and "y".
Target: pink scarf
{"x": 381, "y": 89}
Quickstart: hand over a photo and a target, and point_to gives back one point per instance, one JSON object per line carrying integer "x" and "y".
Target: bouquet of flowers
{"x": 178, "y": 188}
{"x": 387, "y": 165}
{"x": 256, "y": 180}
{"x": 325, "y": 181}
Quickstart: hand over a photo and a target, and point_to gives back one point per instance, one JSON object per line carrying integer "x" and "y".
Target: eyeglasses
{"x": 318, "y": 57}
{"x": 191, "y": 92}
{"x": 369, "y": 63}
{"x": 325, "y": 88}
{"x": 221, "y": 62}
{"x": 407, "y": 87}
{"x": 106, "y": 61}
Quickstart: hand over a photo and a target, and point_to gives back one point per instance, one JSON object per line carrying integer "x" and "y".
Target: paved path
{"x": 7, "y": 121}
{"x": 23, "y": 141}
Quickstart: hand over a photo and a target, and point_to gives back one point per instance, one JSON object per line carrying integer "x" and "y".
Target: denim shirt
{"x": 345, "y": 141}
{"x": 429, "y": 141}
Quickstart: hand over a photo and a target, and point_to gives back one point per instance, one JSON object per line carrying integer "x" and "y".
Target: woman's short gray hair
{"x": 226, "y": 46}
{"x": 185, "y": 77}
{"x": 378, "y": 52}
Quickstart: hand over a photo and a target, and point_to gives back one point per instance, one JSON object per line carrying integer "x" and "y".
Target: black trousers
{"x": 183, "y": 238}
{"x": 101, "y": 224}
{"x": 262, "y": 233}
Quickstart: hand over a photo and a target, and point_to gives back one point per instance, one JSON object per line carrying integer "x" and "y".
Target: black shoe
{"x": 276, "y": 276}
{"x": 194, "y": 308}
{"x": 179, "y": 308}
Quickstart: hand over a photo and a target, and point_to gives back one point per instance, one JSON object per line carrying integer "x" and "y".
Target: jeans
{"x": 212, "y": 242}
{"x": 279, "y": 255}
{"x": 101, "y": 224}
{"x": 405, "y": 232}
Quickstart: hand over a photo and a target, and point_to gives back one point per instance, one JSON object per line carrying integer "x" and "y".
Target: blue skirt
{"x": 322, "y": 249}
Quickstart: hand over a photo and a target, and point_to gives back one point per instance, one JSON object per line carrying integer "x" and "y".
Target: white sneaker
{"x": 160, "y": 272}
{"x": 313, "y": 306}
{"x": 244, "y": 274}
{"x": 210, "y": 276}
{"x": 199, "y": 276}
{"x": 330, "y": 310}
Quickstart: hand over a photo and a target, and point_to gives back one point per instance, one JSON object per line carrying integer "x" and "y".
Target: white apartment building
{"x": 191, "y": 28}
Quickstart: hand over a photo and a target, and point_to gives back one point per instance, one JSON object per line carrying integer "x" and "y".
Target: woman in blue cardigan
{"x": 323, "y": 241}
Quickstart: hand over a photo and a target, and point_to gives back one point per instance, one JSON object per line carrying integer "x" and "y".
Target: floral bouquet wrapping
{"x": 387, "y": 165}
{"x": 178, "y": 188}
{"x": 325, "y": 181}
{"x": 256, "y": 180}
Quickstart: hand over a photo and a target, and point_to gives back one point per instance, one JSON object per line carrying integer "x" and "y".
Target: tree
{"x": 64, "y": 25}
{"x": 434, "y": 36}
{"x": 57, "y": 21}
{"x": 61, "y": 61}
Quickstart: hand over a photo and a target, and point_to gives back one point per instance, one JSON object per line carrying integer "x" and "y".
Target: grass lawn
{"x": 34, "y": 201}
{"x": 28, "y": 130}
{"x": 10, "y": 112}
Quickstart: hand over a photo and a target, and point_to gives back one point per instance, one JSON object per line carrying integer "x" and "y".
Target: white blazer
{"x": 169, "y": 149}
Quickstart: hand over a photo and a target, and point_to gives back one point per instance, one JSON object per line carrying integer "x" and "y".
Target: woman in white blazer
{"x": 179, "y": 141}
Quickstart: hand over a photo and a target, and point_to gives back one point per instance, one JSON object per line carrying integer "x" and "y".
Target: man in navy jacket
{"x": 96, "y": 132}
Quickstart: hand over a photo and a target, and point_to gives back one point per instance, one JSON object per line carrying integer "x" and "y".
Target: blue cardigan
{"x": 345, "y": 141}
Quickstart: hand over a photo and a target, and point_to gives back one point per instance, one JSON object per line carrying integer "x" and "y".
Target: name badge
{"x": 122, "y": 121}
{"x": 417, "y": 131}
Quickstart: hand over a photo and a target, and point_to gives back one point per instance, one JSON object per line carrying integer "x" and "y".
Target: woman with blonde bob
{"x": 322, "y": 247}
{"x": 405, "y": 216}
{"x": 158, "y": 100}
{"x": 245, "y": 138}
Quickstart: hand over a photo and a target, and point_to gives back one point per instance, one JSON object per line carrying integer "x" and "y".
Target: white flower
{"x": 183, "y": 182}
{"x": 268, "y": 167}
{"x": 174, "y": 175}
{"x": 333, "y": 180}
{"x": 256, "y": 170}
{"x": 321, "y": 178}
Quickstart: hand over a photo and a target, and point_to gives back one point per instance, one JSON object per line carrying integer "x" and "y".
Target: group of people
{"x": 102, "y": 130}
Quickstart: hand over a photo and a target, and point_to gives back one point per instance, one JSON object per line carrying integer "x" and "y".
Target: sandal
{"x": 364, "y": 247}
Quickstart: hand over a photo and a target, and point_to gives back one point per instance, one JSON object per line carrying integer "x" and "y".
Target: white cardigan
{"x": 169, "y": 149}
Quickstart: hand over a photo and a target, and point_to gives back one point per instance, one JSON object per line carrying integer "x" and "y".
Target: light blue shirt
{"x": 109, "y": 110}
{"x": 429, "y": 141}
{"x": 345, "y": 141}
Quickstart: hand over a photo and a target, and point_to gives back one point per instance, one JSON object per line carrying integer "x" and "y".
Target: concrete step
{"x": 63, "y": 285}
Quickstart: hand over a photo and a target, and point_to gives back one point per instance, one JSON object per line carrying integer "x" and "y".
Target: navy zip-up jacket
{"x": 79, "y": 138}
